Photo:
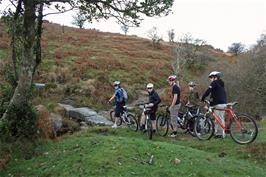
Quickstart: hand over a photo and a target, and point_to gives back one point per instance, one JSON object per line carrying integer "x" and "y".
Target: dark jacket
{"x": 218, "y": 95}
{"x": 154, "y": 98}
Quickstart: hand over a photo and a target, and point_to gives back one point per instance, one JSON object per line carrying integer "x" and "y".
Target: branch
{"x": 59, "y": 12}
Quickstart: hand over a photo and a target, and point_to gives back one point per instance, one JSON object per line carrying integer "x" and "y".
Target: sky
{"x": 219, "y": 22}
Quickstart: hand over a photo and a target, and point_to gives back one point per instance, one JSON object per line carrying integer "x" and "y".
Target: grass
{"x": 102, "y": 151}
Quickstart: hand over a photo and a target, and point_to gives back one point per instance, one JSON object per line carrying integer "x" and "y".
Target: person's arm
{"x": 113, "y": 97}
{"x": 208, "y": 91}
{"x": 174, "y": 100}
{"x": 157, "y": 99}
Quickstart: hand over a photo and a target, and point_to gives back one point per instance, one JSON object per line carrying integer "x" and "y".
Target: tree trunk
{"x": 23, "y": 90}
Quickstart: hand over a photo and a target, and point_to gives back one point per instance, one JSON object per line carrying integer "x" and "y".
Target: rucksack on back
{"x": 124, "y": 95}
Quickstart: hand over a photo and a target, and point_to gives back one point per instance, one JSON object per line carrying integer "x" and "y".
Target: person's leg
{"x": 174, "y": 114}
{"x": 142, "y": 121}
{"x": 218, "y": 129}
{"x": 153, "y": 120}
{"x": 118, "y": 110}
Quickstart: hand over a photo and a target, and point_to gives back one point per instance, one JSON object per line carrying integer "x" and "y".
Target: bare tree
{"x": 236, "y": 48}
{"x": 186, "y": 53}
{"x": 171, "y": 35}
{"x": 154, "y": 36}
{"x": 79, "y": 19}
{"x": 125, "y": 28}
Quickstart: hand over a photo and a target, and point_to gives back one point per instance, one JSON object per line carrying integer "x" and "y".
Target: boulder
{"x": 85, "y": 114}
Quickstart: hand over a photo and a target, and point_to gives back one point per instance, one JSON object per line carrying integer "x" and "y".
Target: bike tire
{"x": 162, "y": 125}
{"x": 149, "y": 128}
{"x": 203, "y": 127}
{"x": 248, "y": 131}
{"x": 132, "y": 122}
{"x": 119, "y": 121}
{"x": 112, "y": 115}
{"x": 190, "y": 126}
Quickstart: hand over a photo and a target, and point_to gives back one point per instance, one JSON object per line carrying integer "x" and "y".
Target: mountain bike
{"x": 242, "y": 128}
{"x": 185, "y": 121}
{"x": 127, "y": 118}
{"x": 148, "y": 121}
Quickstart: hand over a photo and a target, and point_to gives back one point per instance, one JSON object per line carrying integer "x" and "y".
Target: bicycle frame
{"x": 229, "y": 115}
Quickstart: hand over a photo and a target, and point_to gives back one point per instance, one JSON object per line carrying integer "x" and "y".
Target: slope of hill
{"x": 81, "y": 65}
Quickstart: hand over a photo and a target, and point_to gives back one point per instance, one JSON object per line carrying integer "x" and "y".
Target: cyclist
{"x": 119, "y": 101}
{"x": 217, "y": 99}
{"x": 154, "y": 101}
{"x": 193, "y": 96}
{"x": 175, "y": 105}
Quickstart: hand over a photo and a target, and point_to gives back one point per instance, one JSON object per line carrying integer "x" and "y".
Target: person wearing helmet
{"x": 119, "y": 101}
{"x": 217, "y": 99}
{"x": 175, "y": 104}
{"x": 193, "y": 96}
{"x": 154, "y": 101}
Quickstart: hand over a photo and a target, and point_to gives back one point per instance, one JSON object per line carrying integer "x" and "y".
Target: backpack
{"x": 124, "y": 95}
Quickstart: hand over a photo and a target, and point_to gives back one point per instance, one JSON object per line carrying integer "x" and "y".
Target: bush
{"x": 20, "y": 122}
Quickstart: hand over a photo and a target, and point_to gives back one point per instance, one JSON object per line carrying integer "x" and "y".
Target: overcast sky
{"x": 219, "y": 22}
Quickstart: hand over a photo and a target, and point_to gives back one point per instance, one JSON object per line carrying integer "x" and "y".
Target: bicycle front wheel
{"x": 203, "y": 127}
{"x": 112, "y": 115}
{"x": 162, "y": 125}
{"x": 132, "y": 122}
{"x": 243, "y": 130}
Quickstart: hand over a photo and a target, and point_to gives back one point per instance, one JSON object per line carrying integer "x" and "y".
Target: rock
{"x": 68, "y": 101}
{"x": 57, "y": 121}
{"x": 85, "y": 114}
{"x": 177, "y": 161}
{"x": 60, "y": 110}
{"x": 81, "y": 113}
{"x": 45, "y": 123}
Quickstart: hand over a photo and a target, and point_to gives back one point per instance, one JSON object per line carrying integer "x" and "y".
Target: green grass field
{"x": 102, "y": 151}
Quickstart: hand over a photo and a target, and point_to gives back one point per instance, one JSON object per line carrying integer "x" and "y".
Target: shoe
{"x": 219, "y": 136}
{"x": 114, "y": 126}
{"x": 142, "y": 127}
{"x": 173, "y": 135}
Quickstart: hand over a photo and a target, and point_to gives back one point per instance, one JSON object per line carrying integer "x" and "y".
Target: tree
{"x": 124, "y": 11}
{"x": 125, "y": 28}
{"x": 79, "y": 19}
{"x": 171, "y": 35}
{"x": 154, "y": 36}
{"x": 186, "y": 54}
{"x": 236, "y": 48}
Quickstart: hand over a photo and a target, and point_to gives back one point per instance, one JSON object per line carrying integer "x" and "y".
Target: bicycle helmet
{"x": 149, "y": 85}
{"x": 215, "y": 74}
{"x": 116, "y": 83}
{"x": 191, "y": 83}
{"x": 172, "y": 78}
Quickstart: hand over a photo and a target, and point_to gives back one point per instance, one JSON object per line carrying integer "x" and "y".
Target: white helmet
{"x": 215, "y": 73}
{"x": 191, "y": 83}
{"x": 116, "y": 83}
{"x": 149, "y": 85}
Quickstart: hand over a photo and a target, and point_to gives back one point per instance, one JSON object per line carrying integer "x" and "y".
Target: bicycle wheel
{"x": 162, "y": 125}
{"x": 118, "y": 121}
{"x": 112, "y": 115}
{"x": 149, "y": 128}
{"x": 190, "y": 126}
{"x": 132, "y": 122}
{"x": 203, "y": 127}
{"x": 244, "y": 130}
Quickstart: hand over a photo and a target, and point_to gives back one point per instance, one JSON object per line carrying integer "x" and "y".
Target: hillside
{"x": 81, "y": 64}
